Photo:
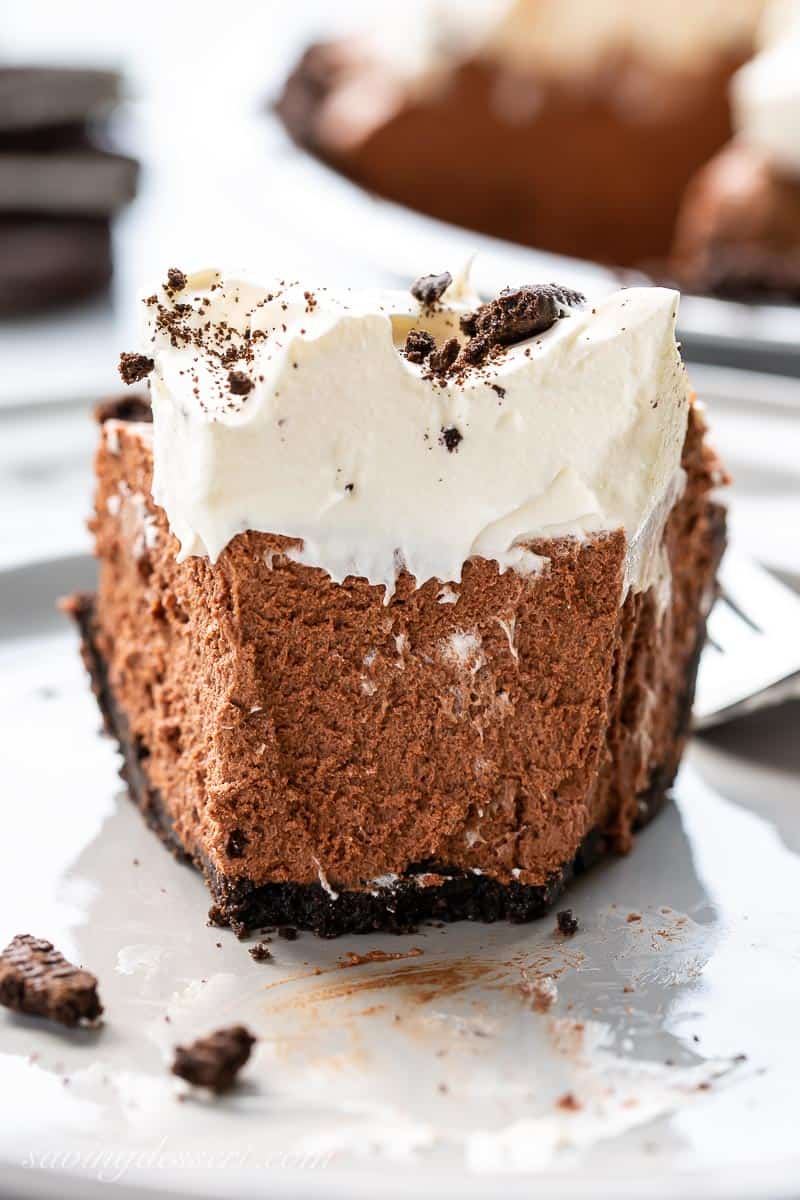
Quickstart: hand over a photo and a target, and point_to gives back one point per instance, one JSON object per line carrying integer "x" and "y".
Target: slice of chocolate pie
{"x": 401, "y": 596}
{"x": 571, "y": 125}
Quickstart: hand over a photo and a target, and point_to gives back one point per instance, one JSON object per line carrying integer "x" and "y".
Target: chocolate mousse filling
{"x": 262, "y": 709}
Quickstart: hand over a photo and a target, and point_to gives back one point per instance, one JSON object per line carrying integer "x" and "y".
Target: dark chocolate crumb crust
{"x": 242, "y": 905}
{"x": 36, "y": 979}
{"x": 214, "y": 1062}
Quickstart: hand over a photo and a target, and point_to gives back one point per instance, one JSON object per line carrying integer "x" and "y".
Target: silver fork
{"x": 752, "y": 655}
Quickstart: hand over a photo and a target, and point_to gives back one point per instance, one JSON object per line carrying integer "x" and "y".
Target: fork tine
{"x": 728, "y": 599}
{"x": 754, "y": 633}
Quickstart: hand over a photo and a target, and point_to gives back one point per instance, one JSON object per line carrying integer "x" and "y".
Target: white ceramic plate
{"x": 431, "y": 1074}
{"x": 404, "y": 244}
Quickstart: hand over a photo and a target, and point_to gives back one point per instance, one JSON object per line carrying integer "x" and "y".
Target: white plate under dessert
{"x": 654, "y": 1053}
{"x": 403, "y": 244}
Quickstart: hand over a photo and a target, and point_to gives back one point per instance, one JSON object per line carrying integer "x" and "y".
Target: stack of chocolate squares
{"x": 60, "y": 185}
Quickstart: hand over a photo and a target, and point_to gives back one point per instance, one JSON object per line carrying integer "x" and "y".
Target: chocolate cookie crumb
{"x": 476, "y": 350}
{"x": 36, "y": 979}
{"x": 240, "y": 383}
{"x": 451, "y": 438}
{"x": 214, "y": 1061}
{"x": 520, "y": 313}
{"x": 428, "y": 289}
{"x": 442, "y": 359}
{"x": 568, "y": 1102}
{"x": 419, "y": 345}
{"x": 501, "y": 391}
{"x": 566, "y": 922}
{"x": 260, "y": 952}
{"x": 134, "y": 367}
{"x": 176, "y": 280}
{"x": 288, "y": 933}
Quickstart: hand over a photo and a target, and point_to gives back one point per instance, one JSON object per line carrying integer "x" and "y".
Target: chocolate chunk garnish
{"x": 214, "y": 1061}
{"x": 176, "y": 280}
{"x": 36, "y": 979}
{"x": 442, "y": 359}
{"x": 239, "y": 383}
{"x": 419, "y": 345}
{"x": 288, "y": 933}
{"x": 260, "y": 952}
{"x": 566, "y": 922}
{"x": 430, "y": 288}
{"x": 134, "y": 367}
{"x": 451, "y": 438}
{"x": 520, "y": 313}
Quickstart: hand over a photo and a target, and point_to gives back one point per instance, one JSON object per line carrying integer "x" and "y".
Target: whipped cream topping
{"x": 671, "y": 33}
{"x": 568, "y": 35}
{"x": 765, "y": 93}
{"x": 295, "y": 411}
{"x": 385, "y": 66}
{"x": 781, "y": 20}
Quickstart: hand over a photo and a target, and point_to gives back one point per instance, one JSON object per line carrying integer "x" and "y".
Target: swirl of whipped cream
{"x": 765, "y": 93}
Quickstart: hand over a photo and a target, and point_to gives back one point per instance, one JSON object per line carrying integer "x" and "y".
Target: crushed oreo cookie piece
{"x": 429, "y": 289}
{"x": 260, "y": 952}
{"x": 176, "y": 280}
{"x": 214, "y": 1061}
{"x": 134, "y": 367}
{"x": 520, "y": 313}
{"x": 451, "y": 438}
{"x": 419, "y": 345}
{"x": 476, "y": 350}
{"x": 288, "y": 933}
{"x": 444, "y": 357}
{"x": 239, "y": 383}
{"x": 567, "y": 922}
{"x": 36, "y": 979}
